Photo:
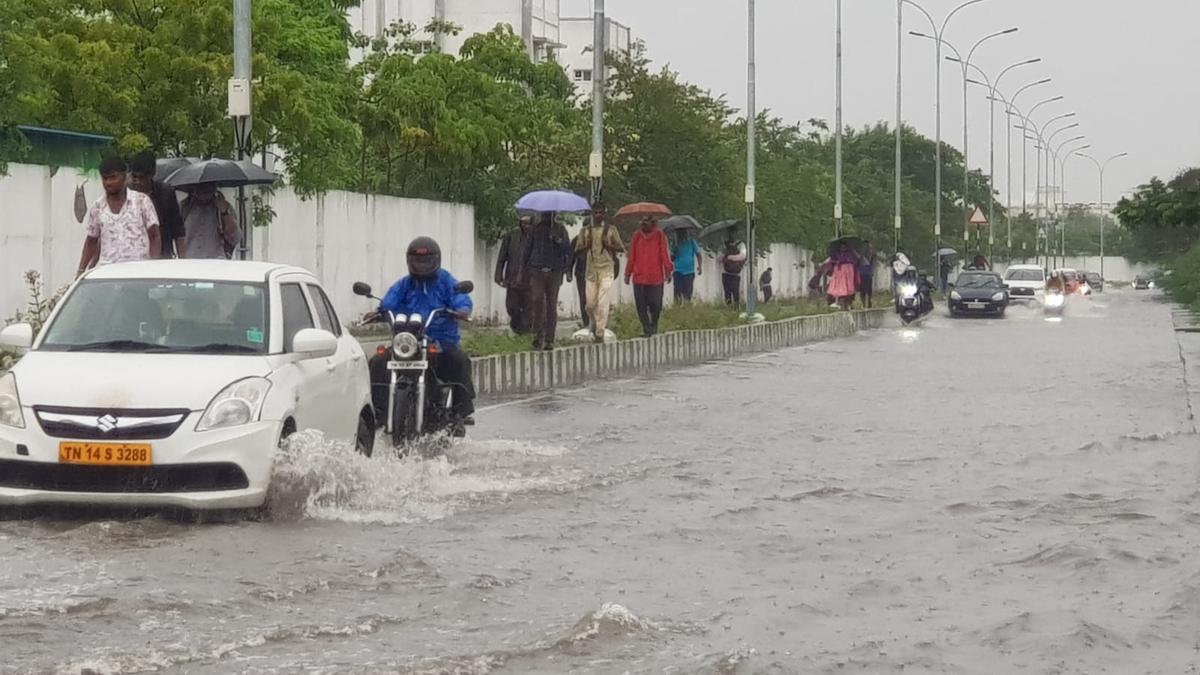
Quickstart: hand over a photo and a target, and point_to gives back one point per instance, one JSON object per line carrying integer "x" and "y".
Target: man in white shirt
{"x": 122, "y": 225}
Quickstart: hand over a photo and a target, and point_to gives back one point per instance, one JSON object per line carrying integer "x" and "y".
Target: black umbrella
{"x": 855, "y": 244}
{"x": 676, "y": 223}
{"x": 713, "y": 236}
{"x": 163, "y": 168}
{"x": 222, "y": 173}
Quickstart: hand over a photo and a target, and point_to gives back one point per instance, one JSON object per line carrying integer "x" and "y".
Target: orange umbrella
{"x": 635, "y": 213}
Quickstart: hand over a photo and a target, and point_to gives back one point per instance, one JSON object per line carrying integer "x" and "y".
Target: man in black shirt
{"x": 511, "y": 276}
{"x": 143, "y": 167}
{"x": 546, "y": 259}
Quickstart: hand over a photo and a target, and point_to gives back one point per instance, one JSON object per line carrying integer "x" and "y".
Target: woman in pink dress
{"x": 843, "y": 280}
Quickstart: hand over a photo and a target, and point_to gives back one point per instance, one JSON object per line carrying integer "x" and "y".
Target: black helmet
{"x": 424, "y": 257}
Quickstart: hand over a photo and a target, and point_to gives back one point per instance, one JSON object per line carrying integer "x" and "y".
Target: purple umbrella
{"x": 556, "y": 201}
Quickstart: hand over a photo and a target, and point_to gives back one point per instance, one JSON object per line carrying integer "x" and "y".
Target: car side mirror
{"x": 362, "y": 289}
{"x": 465, "y": 287}
{"x": 18, "y": 336}
{"x": 949, "y": 284}
{"x": 314, "y": 343}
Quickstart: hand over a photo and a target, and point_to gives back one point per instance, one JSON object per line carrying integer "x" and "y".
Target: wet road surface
{"x": 979, "y": 496}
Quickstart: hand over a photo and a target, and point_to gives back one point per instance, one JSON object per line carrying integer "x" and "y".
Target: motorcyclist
{"x": 426, "y": 289}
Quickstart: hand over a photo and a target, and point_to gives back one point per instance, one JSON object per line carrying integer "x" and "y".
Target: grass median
{"x": 484, "y": 341}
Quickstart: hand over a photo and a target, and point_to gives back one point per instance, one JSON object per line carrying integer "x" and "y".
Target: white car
{"x": 172, "y": 383}
{"x": 1025, "y": 282}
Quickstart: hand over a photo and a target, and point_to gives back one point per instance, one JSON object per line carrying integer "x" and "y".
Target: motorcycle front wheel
{"x": 404, "y": 417}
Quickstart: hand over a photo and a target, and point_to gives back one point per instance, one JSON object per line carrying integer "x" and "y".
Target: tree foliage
{"x": 1163, "y": 217}
{"x": 482, "y": 126}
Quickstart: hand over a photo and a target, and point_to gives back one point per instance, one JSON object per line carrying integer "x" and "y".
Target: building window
{"x": 583, "y": 76}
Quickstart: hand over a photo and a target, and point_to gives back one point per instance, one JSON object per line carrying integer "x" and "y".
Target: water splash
{"x": 317, "y": 479}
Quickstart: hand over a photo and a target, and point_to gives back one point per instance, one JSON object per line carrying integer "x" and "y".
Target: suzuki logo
{"x": 106, "y": 423}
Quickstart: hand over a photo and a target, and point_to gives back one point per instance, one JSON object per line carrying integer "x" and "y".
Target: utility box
{"x": 239, "y": 97}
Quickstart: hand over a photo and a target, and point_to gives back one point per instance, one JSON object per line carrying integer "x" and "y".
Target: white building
{"x": 535, "y": 21}
{"x": 577, "y": 36}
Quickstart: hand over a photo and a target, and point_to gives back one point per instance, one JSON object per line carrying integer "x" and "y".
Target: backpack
{"x": 732, "y": 266}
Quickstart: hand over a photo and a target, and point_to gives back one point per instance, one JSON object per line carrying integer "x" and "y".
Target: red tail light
{"x": 381, "y": 350}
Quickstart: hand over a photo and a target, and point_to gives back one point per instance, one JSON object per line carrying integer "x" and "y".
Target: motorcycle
{"x": 418, "y": 403}
{"x": 914, "y": 297}
{"x": 1054, "y": 302}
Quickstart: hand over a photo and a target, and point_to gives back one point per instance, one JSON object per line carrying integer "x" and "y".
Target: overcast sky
{"x": 1130, "y": 70}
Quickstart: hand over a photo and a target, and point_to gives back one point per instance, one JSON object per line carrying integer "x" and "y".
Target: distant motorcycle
{"x": 418, "y": 403}
{"x": 914, "y": 293}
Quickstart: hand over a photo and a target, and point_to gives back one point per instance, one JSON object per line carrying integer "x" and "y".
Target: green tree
{"x": 153, "y": 73}
{"x": 1163, "y": 217}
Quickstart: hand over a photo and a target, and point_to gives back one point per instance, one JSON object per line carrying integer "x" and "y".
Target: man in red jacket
{"x": 649, "y": 267}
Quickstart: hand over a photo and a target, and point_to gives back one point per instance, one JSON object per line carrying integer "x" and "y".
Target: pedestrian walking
{"x": 731, "y": 261}
{"x": 212, "y": 229}
{"x": 546, "y": 260}
{"x": 764, "y": 284}
{"x": 599, "y": 244}
{"x": 688, "y": 260}
{"x": 142, "y": 168}
{"x": 843, "y": 279}
{"x": 649, "y": 267}
{"x": 577, "y": 272}
{"x": 866, "y": 274}
{"x": 511, "y": 276}
{"x": 122, "y": 224}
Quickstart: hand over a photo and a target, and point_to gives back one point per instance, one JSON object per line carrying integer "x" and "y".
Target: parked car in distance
{"x": 1025, "y": 282}
{"x": 1141, "y": 283}
{"x": 978, "y": 292}
{"x": 172, "y": 384}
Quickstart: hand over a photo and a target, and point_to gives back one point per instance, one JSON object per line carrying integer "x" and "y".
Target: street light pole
{"x": 240, "y": 106}
{"x": 599, "y": 47}
{"x": 898, "y": 219}
{"x": 966, "y": 65}
{"x": 993, "y": 89}
{"x": 1101, "y": 168}
{"x": 938, "y": 34}
{"x": 751, "y": 161}
{"x": 837, "y": 204}
{"x": 1063, "y": 196}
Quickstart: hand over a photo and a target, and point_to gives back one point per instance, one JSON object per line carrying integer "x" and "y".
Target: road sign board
{"x": 978, "y": 218}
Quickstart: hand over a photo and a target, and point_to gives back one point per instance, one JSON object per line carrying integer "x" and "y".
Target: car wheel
{"x": 364, "y": 438}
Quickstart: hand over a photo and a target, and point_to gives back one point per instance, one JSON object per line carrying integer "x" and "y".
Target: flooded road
{"x": 979, "y": 496}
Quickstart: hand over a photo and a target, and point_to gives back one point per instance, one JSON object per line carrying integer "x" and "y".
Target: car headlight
{"x": 999, "y": 297}
{"x": 10, "y": 403}
{"x": 239, "y": 403}
{"x": 955, "y": 296}
{"x": 405, "y": 345}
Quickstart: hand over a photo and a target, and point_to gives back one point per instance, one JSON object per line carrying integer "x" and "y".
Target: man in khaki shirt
{"x": 601, "y": 243}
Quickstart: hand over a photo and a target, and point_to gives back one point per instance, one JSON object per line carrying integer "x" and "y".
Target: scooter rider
{"x": 428, "y": 288}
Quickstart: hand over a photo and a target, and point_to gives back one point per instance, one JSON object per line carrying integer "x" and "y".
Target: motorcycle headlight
{"x": 405, "y": 345}
{"x": 239, "y": 403}
{"x": 955, "y": 296}
{"x": 907, "y": 290}
{"x": 1054, "y": 300}
{"x": 998, "y": 297}
{"x": 10, "y": 403}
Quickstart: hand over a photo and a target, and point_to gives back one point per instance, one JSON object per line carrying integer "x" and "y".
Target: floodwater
{"x": 975, "y": 496}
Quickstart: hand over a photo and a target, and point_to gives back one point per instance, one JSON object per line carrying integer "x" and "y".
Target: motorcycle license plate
{"x": 407, "y": 365}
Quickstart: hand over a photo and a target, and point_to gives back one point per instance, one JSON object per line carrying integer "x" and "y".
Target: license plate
{"x": 976, "y": 305}
{"x": 407, "y": 365}
{"x": 105, "y": 454}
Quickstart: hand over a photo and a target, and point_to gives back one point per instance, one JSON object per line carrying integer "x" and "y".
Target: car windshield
{"x": 161, "y": 316}
{"x": 978, "y": 280}
{"x": 1024, "y": 275}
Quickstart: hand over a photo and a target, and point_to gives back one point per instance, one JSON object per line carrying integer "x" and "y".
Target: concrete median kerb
{"x": 520, "y": 373}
